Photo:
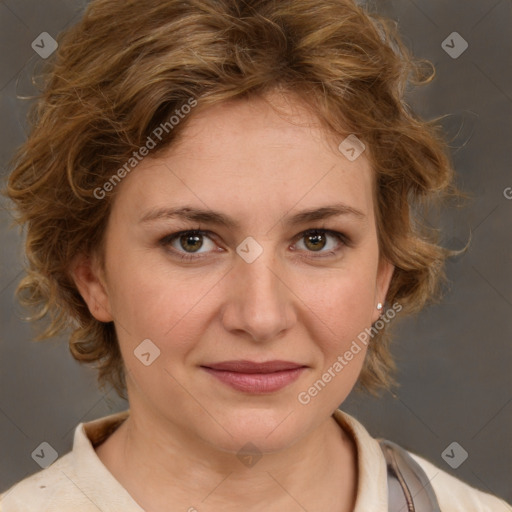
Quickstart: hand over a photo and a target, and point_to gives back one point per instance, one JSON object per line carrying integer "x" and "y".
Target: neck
{"x": 159, "y": 464}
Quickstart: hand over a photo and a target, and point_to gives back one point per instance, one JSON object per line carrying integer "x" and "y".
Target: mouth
{"x": 255, "y": 378}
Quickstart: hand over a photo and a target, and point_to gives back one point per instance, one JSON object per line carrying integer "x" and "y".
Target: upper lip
{"x": 244, "y": 366}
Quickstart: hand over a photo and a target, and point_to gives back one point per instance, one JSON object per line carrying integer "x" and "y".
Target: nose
{"x": 260, "y": 303}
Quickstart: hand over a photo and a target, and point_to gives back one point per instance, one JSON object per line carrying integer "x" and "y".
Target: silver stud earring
{"x": 379, "y": 306}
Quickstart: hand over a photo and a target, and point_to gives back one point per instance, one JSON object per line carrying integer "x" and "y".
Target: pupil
{"x": 193, "y": 241}
{"x": 317, "y": 241}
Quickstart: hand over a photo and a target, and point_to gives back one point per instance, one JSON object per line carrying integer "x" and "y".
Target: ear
{"x": 384, "y": 275}
{"x": 89, "y": 278}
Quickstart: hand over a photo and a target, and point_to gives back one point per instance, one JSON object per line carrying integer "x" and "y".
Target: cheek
{"x": 150, "y": 300}
{"x": 336, "y": 317}
{"x": 340, "y": 304}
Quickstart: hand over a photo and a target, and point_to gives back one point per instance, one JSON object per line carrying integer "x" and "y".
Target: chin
{"x": 269, "y": 430}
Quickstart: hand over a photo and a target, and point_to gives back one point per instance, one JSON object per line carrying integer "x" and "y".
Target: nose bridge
{"x": 260, "y": 303}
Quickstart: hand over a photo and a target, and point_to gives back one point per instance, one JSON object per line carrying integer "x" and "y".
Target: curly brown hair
{"x": 128, "y": 65}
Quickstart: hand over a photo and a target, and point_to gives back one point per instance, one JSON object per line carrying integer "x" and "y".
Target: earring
{"x": 379, "y": 306}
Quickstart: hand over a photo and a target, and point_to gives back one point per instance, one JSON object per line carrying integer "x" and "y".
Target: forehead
{"x": 243, "y": 157}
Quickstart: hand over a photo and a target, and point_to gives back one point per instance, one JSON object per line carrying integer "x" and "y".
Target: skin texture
{"x": 292, "y": 303}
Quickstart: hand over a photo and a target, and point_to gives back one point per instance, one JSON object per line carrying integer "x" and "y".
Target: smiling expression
{"x": 252, "y": 239}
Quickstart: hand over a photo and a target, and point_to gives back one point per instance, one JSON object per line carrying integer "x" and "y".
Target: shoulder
{"x": 41, "y": 491}
{"x": 454, "y": 495}
{"x": 76, "y": 481}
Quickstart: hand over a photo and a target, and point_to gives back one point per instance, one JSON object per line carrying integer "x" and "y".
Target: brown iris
{"x": 315, "y": 241}
{"x": 192, "y": 241}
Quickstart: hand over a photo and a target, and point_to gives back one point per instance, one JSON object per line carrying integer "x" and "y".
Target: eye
{"x": 322, "y": 241}
{"x": 189, "y": 243}
{"x": 195, "y": 244}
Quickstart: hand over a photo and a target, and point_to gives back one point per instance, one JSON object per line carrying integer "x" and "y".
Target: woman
{"x": 222, "y": 202}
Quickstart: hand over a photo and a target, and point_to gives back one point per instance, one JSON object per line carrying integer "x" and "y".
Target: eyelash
{"x": 183, "y": 256}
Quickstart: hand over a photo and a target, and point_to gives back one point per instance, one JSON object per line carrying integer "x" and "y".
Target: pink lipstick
{"x": 256, "y": 378}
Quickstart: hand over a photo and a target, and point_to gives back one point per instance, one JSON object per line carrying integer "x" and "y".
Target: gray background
{"x": 454, "y": 358}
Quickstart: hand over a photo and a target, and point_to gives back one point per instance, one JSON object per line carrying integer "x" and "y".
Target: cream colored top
{"x": 78, "y": 481}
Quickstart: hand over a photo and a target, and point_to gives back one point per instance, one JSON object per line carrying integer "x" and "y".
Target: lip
{"x": 245, "y": 366}
{"x": 256, "y": 378}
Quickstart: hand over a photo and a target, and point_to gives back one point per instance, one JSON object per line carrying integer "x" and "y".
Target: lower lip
{"x": 257, "y": 382}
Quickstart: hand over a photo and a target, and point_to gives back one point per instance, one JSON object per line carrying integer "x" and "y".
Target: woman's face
{"x": 252, "y": 286}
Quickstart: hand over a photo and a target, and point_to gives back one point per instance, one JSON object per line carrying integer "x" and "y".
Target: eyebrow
{"x": 216, "y": 218}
